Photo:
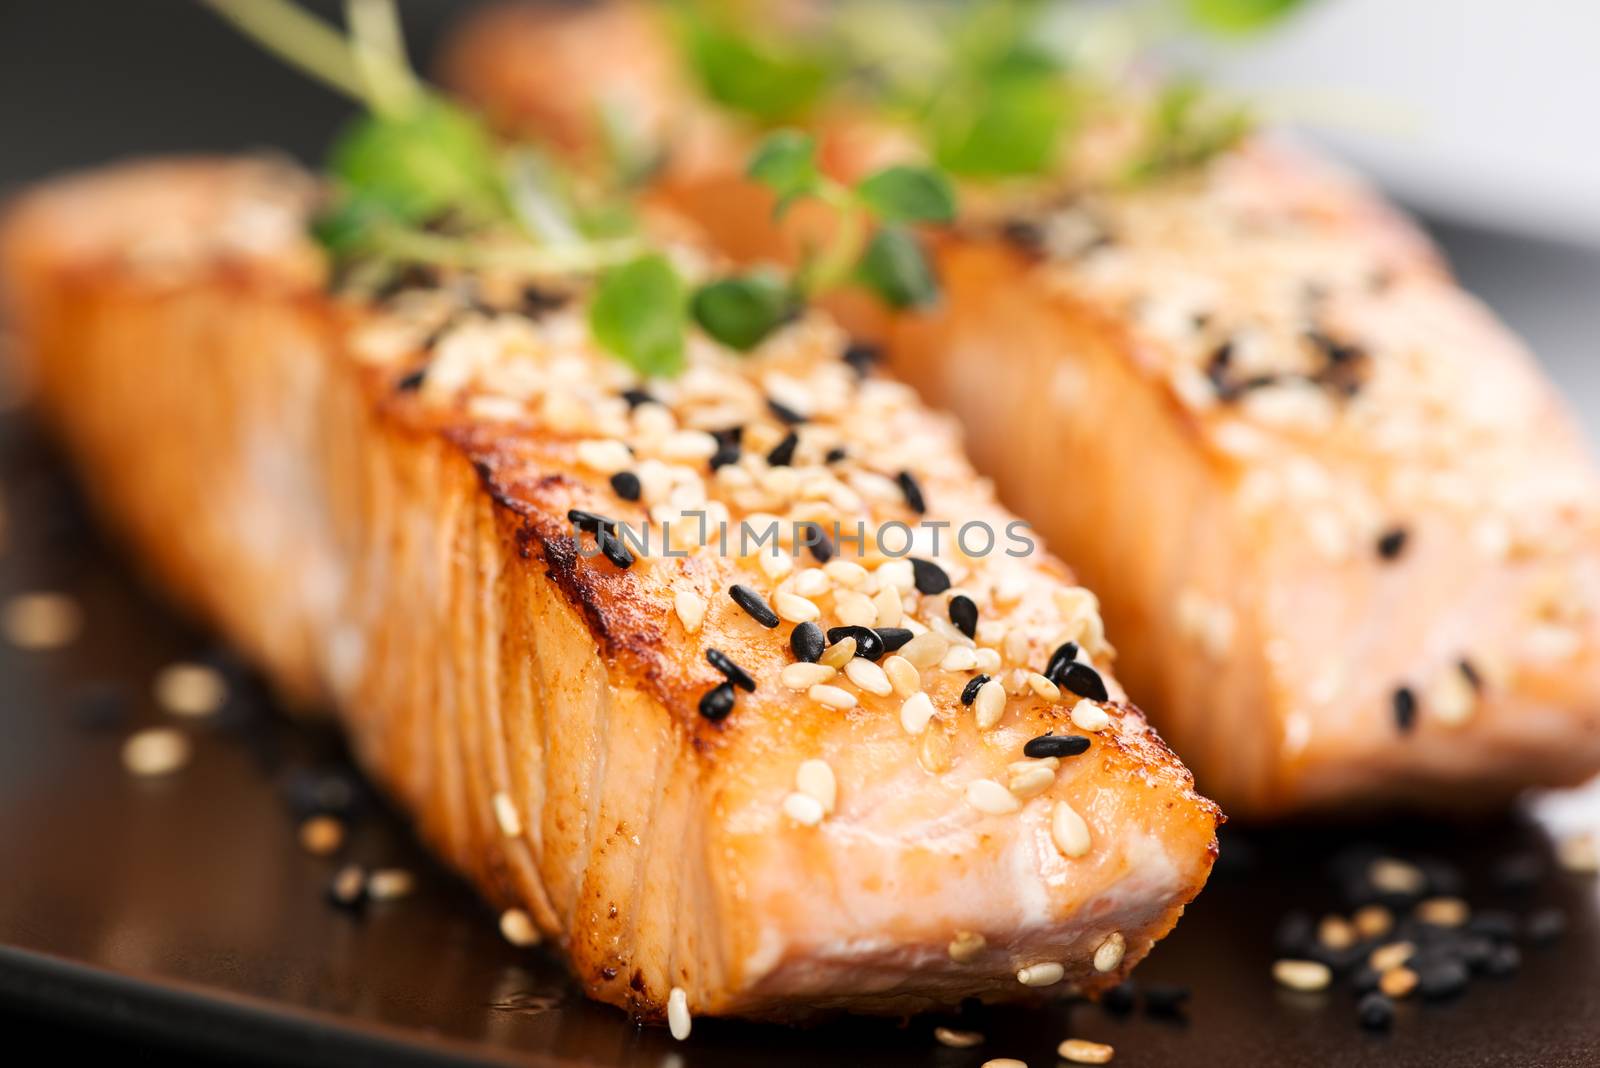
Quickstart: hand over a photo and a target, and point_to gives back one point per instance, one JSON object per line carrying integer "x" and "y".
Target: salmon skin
{"x": 1346, "y": 535}
{"x": 391, "y": 502}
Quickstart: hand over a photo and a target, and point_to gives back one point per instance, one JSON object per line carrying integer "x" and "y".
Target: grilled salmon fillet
{"x": 392, "y": 502}
{"x": 1346, "y": 535}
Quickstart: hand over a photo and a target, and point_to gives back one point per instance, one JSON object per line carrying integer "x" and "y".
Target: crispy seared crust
{"x": 410, "y": 563}
{"x": 1228, "y": 512}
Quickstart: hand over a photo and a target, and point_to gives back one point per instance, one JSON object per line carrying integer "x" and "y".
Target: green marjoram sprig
{"x": 418, "y": 179}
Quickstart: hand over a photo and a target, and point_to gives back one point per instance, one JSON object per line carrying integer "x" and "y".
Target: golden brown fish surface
{"x": 1346, "y": 535}
{"x": 372, "y": 498}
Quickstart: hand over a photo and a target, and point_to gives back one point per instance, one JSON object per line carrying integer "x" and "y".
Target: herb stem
{"x": 405, "y": 244}
{"x": 833, "y": 266}
{"x": 298, "y": 38}
{"x": 378, "y": 49}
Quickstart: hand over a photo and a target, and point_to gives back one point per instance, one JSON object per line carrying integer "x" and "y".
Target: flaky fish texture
{"x": 1346, "y": 535}
{"x": 374, "y": 496}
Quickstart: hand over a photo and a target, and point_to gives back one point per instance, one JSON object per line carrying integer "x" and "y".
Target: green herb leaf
{"x": 1008, "y": 119}
{"x": 638, "y": 314}
{"x": 895, "y": 268}
{"x": 434, "y": 157}
{"x": 905, "y": 194}
{"x": 1239, "y": 16}
{"x": 743, "y": 310}
{"x": 786, "y": 162}
{"x": 1187, "y": 127}
{"x": 768, "y": 80}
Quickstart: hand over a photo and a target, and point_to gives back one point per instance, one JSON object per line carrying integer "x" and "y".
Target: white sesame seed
{"x": 1068, "y": 830}
{"x": 804, "y": 809}
{"x": 321, "y": 836}
{"x": 1043, "y": 686}
{"x": 691, "y": 609}
{"x": 966, "y": 946}
{"x": 1443, "y": 911}
{"x": 190, "y": 690}
{"x": 1109, "y": 955}
{"x": 607, "y": 456}
{"x": 960, "y": 658}
{"x": 1088, "y": 716}
{"x": 1304, "y": 975}
{"x": 839, "y": 653}
{"x": 794, "y": 608}
{"x": 816, "y": 778}
{"x": 916, "y": 712}
{"x": 854, "y": 609}
{"x": 1391, "y": 876}
{"x": 925, "y": 650}
{"x": 775, "y": 564}
{"x": 1031, "y": 781}
{"x": 39, "y": 621}
{"x": 832, "y": 696}
{"x": 1048, "y": 973}
{"x": 678, "y": 1020}
{"x": 687, "y": 446}
{"x": 869, "y": 676}
{"x": 986, "y": 660}
{"x": 1452, "y": 698}
{"x": 803, "y": 676}
{"x": 1391, "y": 956}
{"x": 903, "y": 676}
{"x": 890, "y": 609}
{"x": 1079, "y": 1051}
{"x": 989, "y": 705}
{"x": 155, "y": 751}
{"x": 506, "y": 815}
{"x": 518, "y": 928}
{"x": 896, "y": 574}
{"x": 1003, "y": 1062}
{"x": 846, "y": 573}
{"x": 390, "y": 884}
{"x": 989, "y": 797}
{"x": 957, "y": 1039}
{"x": 812, "y": 582}
{"x": 1579, "y": 853}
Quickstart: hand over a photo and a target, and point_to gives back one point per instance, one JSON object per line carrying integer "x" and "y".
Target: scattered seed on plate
{"x": 1579, "y": 854}
{"x": 390, "y": 884}
{"x": 1336, "y": 933}
{"x": 41, "y": 621}
{"x": 348, "y": 887}
{"x": 1303, "y": 975}
{"x": 679, "y": 1022}
{"x": 1390, "y": 875}
{"x": 1375, "y": 1011}
{"x": 1373, "y": 921}
{"x": 518, "y": 928}
{"x": 1398, "y": 982}
{"x": 1003, "y": 1062}
{"x": 321, "y": 836}
{"x": 957, "y": 1039}
{"x": 1391, "y": 955}
{"x": 1546, "y": 925}
{"x": 1079, "y": 1051}
{"x": 1047, "y": 973}
{"x": 155, "y": 751}
{"x": 191, "y": 689}
{"x": 1166, "y": 999}
{"x": 1443, "y": 911}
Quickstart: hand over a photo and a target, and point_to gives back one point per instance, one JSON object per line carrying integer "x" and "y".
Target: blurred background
{"x": 1478, "y": 115}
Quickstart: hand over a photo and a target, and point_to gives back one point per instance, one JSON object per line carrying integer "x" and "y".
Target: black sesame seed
{"x": 1503, "y": 961}
{"x": 1375, "y": 1011}
{"x": 1469, "y": 671}
{"x": 782, "y": 454}
{"x": 1405, "y": 709}
{"x": 591, "y": 522}
{"x": 969, "y": 692}
{"x": 728, "y": 452}
{"x": 412, "y": 380}
{"x": 912, "y": 491}
{"x": 101, "y": 706}
{"x": 1082, "y": 680}
{"x": 862, "y": 357}
{"x": 929, "y": 576}
{"x": 892, "y": 637}
{"x": 1296, "y": 933}
{"x": 1442, "y": 978}
{"x": 615, "y": 551}
{"x": 753, "y": 604}
{"x": 964, "y": 614}
{"x": 784, "y": 414}
{"x": 1546, "y": 925}
{"x": 736, "y": 674}
{"x": 718, "y": 702}
{"x": 536, "y": 301}
{"x": 1365, "y": 979}
{"x": 1065, "y": 654}
{"x": 626, "y": 485}
{"x": 1475, "y": 951}
{"x": 1493, "y": 923}
{"x": 818, "y": 543}
{"x": 1165, "y": 999}
{"x": 835, "y": 454}
{"x": 1120, "y": 999}
{"x": 1392, "y": 543}
{"x": 868, "y": 645}
{"x": 1217, "y": 367}
{"x": 1519, "y": 872}
{"x": 808, "y": 642}
{"x": 636, "y": 397}
{"x": 1056, "y": 745}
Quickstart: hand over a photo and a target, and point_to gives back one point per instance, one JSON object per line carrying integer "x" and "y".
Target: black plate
{"x": 184, "y": 909}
